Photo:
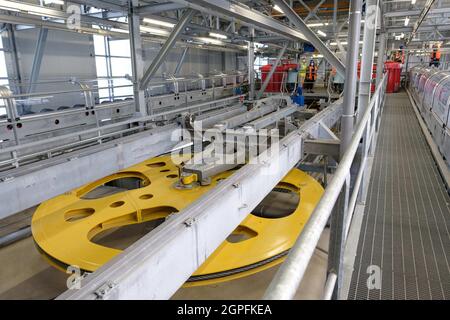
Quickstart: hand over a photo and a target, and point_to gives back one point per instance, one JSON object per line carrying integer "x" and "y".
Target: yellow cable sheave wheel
{"x": 90, "y": 225}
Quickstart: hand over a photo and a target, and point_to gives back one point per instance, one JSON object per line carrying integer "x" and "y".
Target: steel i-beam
{"x": 368, "y": 50}
{"x": 37, "y": 60}
{"x": 311, "y": 36}
{"x": 171, "y": 40}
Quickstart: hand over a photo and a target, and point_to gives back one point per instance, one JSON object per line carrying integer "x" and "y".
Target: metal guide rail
{"x": 26, "y": 137}
{"x": 47, "y": 177}
{"x": 290, "y": 274}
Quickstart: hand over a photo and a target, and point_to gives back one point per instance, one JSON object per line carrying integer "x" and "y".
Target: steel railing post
{"x": 339, "y": 216}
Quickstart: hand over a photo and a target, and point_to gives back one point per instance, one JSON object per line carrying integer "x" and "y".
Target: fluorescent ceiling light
{"x": 218, "y": 35}
{"x": 362, "y": 21}
{"x": 400, "y": 36}
{"x": 30, "y": 9}
{"x": 9, "y": 9}
{"x": 61, "y": 2}
{"x": 321, "y": 33}
{"x": 260, "y": 45}
{"x": 317, "y": 24}
{"x": 153, "y": 30}
{"x": 210, "y": 40}
{"x": 344, "y": 43}
{"x": 159, "y": 22}
{"x": 118, "y": 30}
{"x": 277, "y": 8}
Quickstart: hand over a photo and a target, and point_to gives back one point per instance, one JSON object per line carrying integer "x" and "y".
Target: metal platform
{"x": 406, "y": 224}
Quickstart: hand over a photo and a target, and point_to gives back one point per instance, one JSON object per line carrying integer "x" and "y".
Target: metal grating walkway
{"x": 405, "y": 230}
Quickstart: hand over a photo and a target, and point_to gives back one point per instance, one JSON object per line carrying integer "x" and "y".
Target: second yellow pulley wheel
{"x": 90, "y": 225}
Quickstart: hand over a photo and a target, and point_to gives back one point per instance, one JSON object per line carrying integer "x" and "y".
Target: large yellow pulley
{"x": 90, "y": 225}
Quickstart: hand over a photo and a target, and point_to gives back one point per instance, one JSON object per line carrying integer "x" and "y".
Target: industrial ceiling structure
{"x": 95, "y": 163}
{"x": 423, "y": 21}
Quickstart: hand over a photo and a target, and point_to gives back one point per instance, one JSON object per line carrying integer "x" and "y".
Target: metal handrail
{"x": 100, "y": 131}
{"x": 287, "y": 280}
{"x": 94, "y": 88}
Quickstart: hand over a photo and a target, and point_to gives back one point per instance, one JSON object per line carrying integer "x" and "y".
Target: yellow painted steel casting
{"x": 69, "y": 229}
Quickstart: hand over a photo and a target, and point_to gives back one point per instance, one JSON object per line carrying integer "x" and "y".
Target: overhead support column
{"x": 251, "y": 62}
{"x": 365, "y": 83}
{"x": 381, "y": 55}
{"x": 137, "y": 63}
{"x": 15, "y": 57}
{"x": 368, "y": 53}
{"x": 157, "y": 61}
{"x": 335, "y": 10}
{"x": 340, "y": 213}
{"x": 37, "y": 59}
{"x": 311, "y": 36}
{"x": 351, "y": 74}
{"x": 272, "y": 71}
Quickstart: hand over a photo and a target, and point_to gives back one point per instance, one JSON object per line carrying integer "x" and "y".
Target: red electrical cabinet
{"x": 277, "y": 78}
{"x": 394, "y": 70}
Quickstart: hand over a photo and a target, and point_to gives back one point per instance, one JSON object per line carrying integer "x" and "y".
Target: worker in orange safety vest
{"x": 311, "y": 76}
{"x": 435, "y": 58}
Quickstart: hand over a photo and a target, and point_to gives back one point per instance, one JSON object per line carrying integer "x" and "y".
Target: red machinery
{"x": 394, "y": 70}
{"x": 281, "y": 72}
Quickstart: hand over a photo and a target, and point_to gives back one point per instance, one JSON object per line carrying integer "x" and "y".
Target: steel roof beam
{"x": 246, "y": 15}
{"x": 269, "y": 24}
{"x": 312, "y": 37}
{"x": 102, "y": 5}
{"x": 410, "y": 13}
{"x": 170, "y": 42}
{"x": 422, "y": 17}
{"x": 157, "y": 8}
{"x": 428, "y": 28}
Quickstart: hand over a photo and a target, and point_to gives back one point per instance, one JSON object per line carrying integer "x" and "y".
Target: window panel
{"x": 100, "y": 63}
{"x": 120, "y": 48}
{"x": 120, "y": 63}
{"x": 99, "y": 45}
{"x": 121, "y": 67}
{"x": 3, "y": 82}
{"x": 125, "y": 91}
{"x": 3, "y": 71}
{"x": 103, "y": 93}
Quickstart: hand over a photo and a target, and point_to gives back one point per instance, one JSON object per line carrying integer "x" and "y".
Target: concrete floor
{"x": 24, "y": 274}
